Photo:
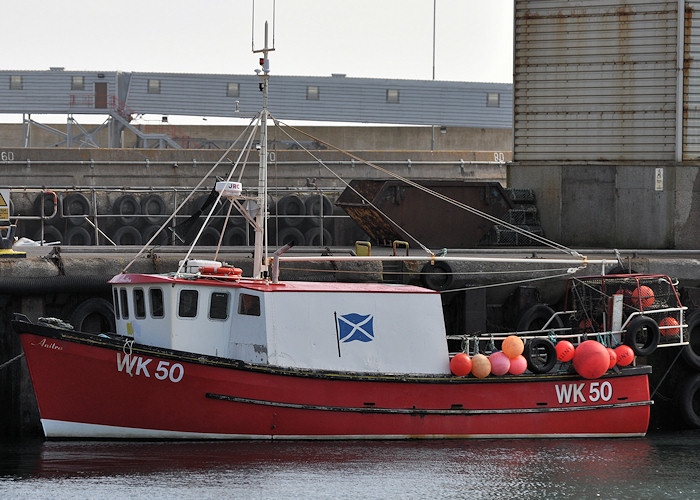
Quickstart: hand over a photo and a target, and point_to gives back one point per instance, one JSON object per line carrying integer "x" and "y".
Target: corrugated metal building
{"x": 336, "y": 98}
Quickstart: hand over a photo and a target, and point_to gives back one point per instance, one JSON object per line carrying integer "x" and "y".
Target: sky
{"x": 359, "y": 38}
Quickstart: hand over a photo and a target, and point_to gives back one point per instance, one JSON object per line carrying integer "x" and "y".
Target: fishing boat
{"x": 206, "y": 353}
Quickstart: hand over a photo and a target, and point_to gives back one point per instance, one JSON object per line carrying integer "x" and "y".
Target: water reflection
{"x": 663, "y": 466}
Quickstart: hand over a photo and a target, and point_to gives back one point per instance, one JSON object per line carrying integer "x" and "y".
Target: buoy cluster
{"x": 590, "y": 359}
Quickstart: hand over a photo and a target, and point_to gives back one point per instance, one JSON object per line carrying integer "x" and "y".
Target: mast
{"x": 260, "y": 250}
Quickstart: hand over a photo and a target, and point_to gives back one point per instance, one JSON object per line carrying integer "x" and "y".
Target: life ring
{"x": 642, "y": 335}
{"x": 291, "y": 209}
{"x": 127, "y": 235}
{"x": 540, "y": 354}
{"x": 313, "y": 237}
{"x": 536, "y": 317}
{"x": 691, "y": 352}
{"x": 51, "y": 205}
{"x": 128, "y": 209}
{"x": 688, "y": 400}
{"x": 76, "y": 207}
{"x": 153, "y": 208}
{"x": 95, "y": 315}
{"x": 78, "y": 236}
{"x": 291, "y": 235}
{"x": 437, "y": 275}
{"x": 221, "y": 270}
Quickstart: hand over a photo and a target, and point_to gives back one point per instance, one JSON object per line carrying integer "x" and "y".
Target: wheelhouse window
{"x": 139, "y": 303}
{"x": 187, "y": 305}
{"x": 233, "y": 89}
{"x": 124, "y": 303}
{"x": 16, "y": 82}
{"x": 218, "y": 305}
{"x": 249, "y": 304}
{"x": 77, "y": 83}
{"x": 493, "y": 100}
{"x": 116, "y": 303}
{"x": 153, "y": 86}
{"x": 156, "y": 299}
{"x": 392, "y": 96}
{"x": 313, "y": 93}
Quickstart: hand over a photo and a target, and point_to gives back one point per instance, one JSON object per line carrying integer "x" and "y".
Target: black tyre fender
{"x": 127, "y": 235}
{"x": 649, "y": 329}
{"x": 94, "y": 315}
{"x": 128, "y": 209}
{"x": 209, "y": 238}
{"x": 536, "y": 317}
{"x": 691, "y": 352}
{"x": 235, "y": 237}
{"x": 78, "y": 235}
{"x": 437, "y": 275}
{"x": 153, "y": 207}
{"x": 313, "y": 237}
{"x": 316, "y": 202}
{"x": 160, "y": 240}
{"x": 540, "y": 354}
{"x": 688, "y": 400}
{"x": 51, "y": 234}
{"x": 291, "y": 210}
{"x": 49, "y": 205}
{"x": 76, "y": 206}
{"x": 291, "y": 235}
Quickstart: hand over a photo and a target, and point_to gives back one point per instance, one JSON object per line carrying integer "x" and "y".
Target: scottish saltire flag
{"x": 356, "y": 327}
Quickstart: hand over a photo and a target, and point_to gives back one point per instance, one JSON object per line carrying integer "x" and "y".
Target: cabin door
{"x": 100, "y": 95}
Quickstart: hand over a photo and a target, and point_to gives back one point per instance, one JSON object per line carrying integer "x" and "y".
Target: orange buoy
{"x": 461, "y": 365}
{"x": 481, "y": 366}
{"x": 613, "y": 357}
{"x": 513, "y": 346}
{"x": 669, "y": 321}
{"x": 625, "y": 355}
{"x": 565, "y": 351}
{"x": 518, "y": 365}
{"x": 591, "y": 359}
{"x": 500, "y": 363}
{"x": 642, "y": 295}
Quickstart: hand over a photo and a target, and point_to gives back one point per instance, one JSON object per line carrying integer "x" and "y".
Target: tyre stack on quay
{"x": 303, "y": 221}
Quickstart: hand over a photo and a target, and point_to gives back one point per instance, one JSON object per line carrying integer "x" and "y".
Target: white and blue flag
{"x": 356, "y": 327}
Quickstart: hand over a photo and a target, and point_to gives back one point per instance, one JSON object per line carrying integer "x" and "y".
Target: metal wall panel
{"x": 691, "y": 82}
{"x": 595, "y": 80}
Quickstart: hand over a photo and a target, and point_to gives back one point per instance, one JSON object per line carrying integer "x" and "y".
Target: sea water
{"x": 658, "y": 466}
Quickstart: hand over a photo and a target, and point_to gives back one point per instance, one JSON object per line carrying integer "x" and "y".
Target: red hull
{"x": 84, "y": 389}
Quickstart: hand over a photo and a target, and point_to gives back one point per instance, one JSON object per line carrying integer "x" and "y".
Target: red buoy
{"x": 565, "y": 351}
{"x": 642, "y": 295}
{"x": 461, "y": 365}
{"x": 613, "y": 357}
{"x": 625, "y": 355}
{"x": 513, "y": 346}
{"x": 669, "y": 321}
{"x": 591, "y": 359}
{"x": 518, "y": 365}
{"x": 500, "y": 363}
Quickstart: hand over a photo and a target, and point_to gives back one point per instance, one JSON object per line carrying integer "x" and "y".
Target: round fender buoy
{"x": 95, "y": 315}
{"x": 669, "y": 332}
{"x": 481, "y": 366}
{"x": 540, "y": 354}
{"x": 625, "y": 355}
{"x": 591, "y": 359}
{"x": 642, "y": 335}
{"x": 642, "y": 296}
{"x": 500, "y": 363}
{"x": 613, "y": 357}
{"x": 461, "y": 365}
{"x": 691, "y": 352}
{"x": 565, "y": 351}
{"x": 688, "y": 400}
{"x": 518, "y": 365}
{"x": 513, "y": 346}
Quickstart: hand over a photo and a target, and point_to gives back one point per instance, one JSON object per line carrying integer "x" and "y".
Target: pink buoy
{"x": 518, "y": 365}
{"x": 591, "y": 359}
{"x": 500, "y": 363}
{"x": 565, "y": 351}
{"x": 481, "y": 366}
{"x": 625, "y": 355}
{"x": 613, "y": 357}
{"x": 513, "y": 346}
{"x": 461, "y": 365}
